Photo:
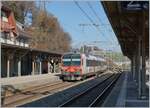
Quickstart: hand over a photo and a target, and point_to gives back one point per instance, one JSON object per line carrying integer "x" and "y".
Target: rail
{"x": 99, "y": 100}
{"x": 36, "y": 93}
{"x": 73, "y": 99}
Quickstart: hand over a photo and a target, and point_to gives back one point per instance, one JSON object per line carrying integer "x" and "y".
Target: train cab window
{"x": 72, "y": 60}
{"x": 66, "y": 63}
{"x": 76, "y": 56}
{"x": 76, "y": 63}
{"x": 68, "y": 56}
{"x": 76, "y": 59}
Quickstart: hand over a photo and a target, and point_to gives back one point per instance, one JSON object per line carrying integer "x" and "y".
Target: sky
{"x": 72, "y": 19}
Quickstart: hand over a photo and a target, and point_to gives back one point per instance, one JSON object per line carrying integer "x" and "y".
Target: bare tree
{"x": 46, "y": 31}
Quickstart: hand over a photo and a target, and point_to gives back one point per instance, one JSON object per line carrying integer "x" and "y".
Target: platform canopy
{"x": 130, "y": 22}
{"x": 25, "y": 50}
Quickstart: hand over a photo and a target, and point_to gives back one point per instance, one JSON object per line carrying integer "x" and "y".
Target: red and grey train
{"x": 76, "y": 66}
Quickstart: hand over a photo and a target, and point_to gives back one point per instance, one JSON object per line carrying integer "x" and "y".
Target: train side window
{"x": 89, "y": 63}
{"x": 86, "y": 62}
{"x": 92, "y": 63}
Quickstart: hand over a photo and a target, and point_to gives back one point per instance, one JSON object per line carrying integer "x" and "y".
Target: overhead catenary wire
{"x": 90, "y": 6}
{"x": 97, "y": 16}
{"x": 84, "y": 12}
{"x": 90, "y": 19}
{"x": 76, "y": 30}
{"x": 93, "y": 23}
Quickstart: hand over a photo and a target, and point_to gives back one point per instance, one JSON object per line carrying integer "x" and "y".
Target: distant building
{"x": 94, "y": 50}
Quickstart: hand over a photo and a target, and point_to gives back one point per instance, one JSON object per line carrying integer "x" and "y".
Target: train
{"x": 77, "y": 66}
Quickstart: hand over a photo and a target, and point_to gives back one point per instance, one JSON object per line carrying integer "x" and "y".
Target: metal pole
{"x": 8, "y": 66}
{"x": 40, "y": 67}
{"x": 138, "y": 66}
{"x": 33, "y": 68}
{"x": 109, "y": 60}
{"x": 143, "y": 71}
{"x": 137, "y": 61}
{"x": 134, "y": 67}
{"x": 132, "y": 70}
{"x": 49, "y": 67}
{"x": 19, "y": 66}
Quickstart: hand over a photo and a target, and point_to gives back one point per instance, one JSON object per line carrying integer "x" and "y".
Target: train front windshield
{"x": 72, "y": 60}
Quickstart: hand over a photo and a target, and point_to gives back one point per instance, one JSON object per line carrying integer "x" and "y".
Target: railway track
{"x": 34, "y": 93}
{"x": 26, "y": 90}
{"x": 37, "y": 92}
{"x": 93, "y": 96}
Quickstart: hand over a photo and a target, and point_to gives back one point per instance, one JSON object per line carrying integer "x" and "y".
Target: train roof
{"x": 101, "y": 59}
{"x": 70, "y": 53}
{"x": 88, "y": 56}
{"x": 92, "y": 57}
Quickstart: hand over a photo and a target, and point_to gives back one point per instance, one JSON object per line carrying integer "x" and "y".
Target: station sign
{"x": 135, "y": 5}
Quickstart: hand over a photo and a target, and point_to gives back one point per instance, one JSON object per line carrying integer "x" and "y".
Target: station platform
{"x": 125, "y": 93}
{"x": 24, "y": 82}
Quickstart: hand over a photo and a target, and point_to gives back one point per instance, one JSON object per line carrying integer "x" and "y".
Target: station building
{"x": 18, "y": 59}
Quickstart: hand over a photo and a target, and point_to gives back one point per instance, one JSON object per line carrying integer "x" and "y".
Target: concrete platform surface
{"x": 125, "y": 94}
{"x": 30, "y": 80}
